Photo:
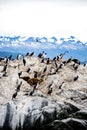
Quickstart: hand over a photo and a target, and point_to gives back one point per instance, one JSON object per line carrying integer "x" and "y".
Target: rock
{"x": 3, "y": 111}
{"x": 64, "y": 108}
{"x": 28, "y": 114}
{"x": 76, "y": 123}
{"x": 39, "y": 93}
{"x": 82, "y": 114}
{"x": 67, "y": 124}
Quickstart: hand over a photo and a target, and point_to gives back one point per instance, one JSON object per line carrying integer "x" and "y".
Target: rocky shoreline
{"x": 42, "y": 93}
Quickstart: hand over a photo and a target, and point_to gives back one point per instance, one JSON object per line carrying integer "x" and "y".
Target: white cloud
{"x": 47, "y": 18}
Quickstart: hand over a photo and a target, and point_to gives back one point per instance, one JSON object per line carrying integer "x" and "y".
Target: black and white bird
{"x": 4, "y": 74}
{"x": 54, "y": 58}
{"x": 42, "y": 61}
{"x": 18, "y": 87}
{"x": 57, "y": 57}
{"x": 19, "y": 74}
{"x": 7, "y": 60}
{"x": 24, "y": 62}
{"x": 50, "y": 91}
{"x": 4, "y": 68}
{"x": 35, "y": 74}
{"x": 60, "y": 66}
{"x": 75, "y": 78}
{"x": 31, "y": 54}
{"x": 85, "y": 63}
{"x": 56, "y": 64}
{"x": 76, "y": 61}
{"x": 50, "y": 84}
{"x": 45, "y": 69}
{"x": 14, "y": 95}
{"x": 60, "y": 86}
{"x": 28, "y": 70}
{"x": 57, "y": 69}
{"x": 41, "y": 55}
{"x": 27, "y": 54}
{"x": 75, "y": 66}
{"x": 69, "y": 60}
{"x": 48, "y": 60}
{"x": 10, "y": 57}
{"x": 31, "y": 93}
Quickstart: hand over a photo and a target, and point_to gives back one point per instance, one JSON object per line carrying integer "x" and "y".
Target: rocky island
{"x": 38, "y": 93}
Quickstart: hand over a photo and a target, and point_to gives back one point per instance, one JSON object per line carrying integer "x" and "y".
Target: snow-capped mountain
{"x": 53, "y": 46}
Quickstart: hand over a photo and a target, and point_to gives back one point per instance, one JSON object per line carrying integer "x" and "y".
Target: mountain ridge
{"x": 52, "y": 45}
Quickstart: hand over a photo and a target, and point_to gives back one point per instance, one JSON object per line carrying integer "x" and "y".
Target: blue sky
{"x": 44, "y": 18}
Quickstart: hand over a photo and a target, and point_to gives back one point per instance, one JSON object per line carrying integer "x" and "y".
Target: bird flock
{"x": 36, "y": 77}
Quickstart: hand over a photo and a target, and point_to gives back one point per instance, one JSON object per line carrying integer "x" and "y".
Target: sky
{"x": 59, "y": 18}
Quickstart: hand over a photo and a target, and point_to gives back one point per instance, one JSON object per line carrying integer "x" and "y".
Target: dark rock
{"x": 82, "y": 114}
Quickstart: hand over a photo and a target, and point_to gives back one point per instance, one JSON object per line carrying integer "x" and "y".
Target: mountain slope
{"x": 53, "y": 46}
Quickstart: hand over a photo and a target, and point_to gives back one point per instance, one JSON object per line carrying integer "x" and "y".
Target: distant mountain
{"x": 53, "y": 46}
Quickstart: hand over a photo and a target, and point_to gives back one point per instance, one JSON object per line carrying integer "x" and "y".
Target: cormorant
{"x": 60, "y": 66}
{"x": 75, "y": 78}
{"x": 61, "y": 85}
{"x": 75, "y": 67}
{"x": 5, "y": 67}
{"x": 50, "y": 84}
{"x": 45, "y": 69}
{"x": 31, "y": 54}
{"x": 42, "y": 61}
{"x": 69, "y": 60}
{"x": 54, "y": 58}
{"x": 50, "y": 91}
{"x": 36, "y": 74}
{"x": 55, "y": 64}
{"x": 31, "y": 93}
{"x": 61, "y": 56}
{"x": 57, "y": 69}
{"x": 27, "y": 54}
{"x": 84, "y": 64}
{"x": 4, "y": 74}
{"x": 28, "y": 70}
{"x": 18, "y": 87}
{"x": 40, "y": 55}
{"x": 10, "y": 57}
{"x": 7, "y": 61}
{"x": 14, "y": 95}
{"x": 64, "y": 62}
{"x": 76, "y": 61}
{"x": 57, "y": 57}
{"x": 24, "y": 62}
{"x": 19, "y": 74}
{"x": 48, "y": 61}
